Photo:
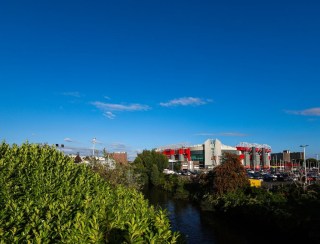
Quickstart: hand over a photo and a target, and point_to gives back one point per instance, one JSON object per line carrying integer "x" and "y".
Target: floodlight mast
{"x": 304, "y": 162}
{"x": 94, "y": 141}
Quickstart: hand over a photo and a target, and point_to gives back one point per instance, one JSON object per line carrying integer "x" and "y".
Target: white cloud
{"x": 235, "y": 134}
{"x": 109, "y": 115}
{"x": 72, "y": 94}
{"x": 120, "y": 107}
{"x": 68, "y": 139}
{"x": 306, "y": 112}
{"x": 185, "y": 101}
{"x": 106, "y": 97}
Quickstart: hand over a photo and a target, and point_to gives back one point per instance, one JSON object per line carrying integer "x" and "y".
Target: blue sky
{"x": 142, "y": 74}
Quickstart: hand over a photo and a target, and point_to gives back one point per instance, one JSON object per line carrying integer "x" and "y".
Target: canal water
{"x": 197, "y": 226}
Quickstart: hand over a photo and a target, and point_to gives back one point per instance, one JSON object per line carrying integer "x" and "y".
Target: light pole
{"x": 317, "y": 162}
{"x": 292, "y": 165}
{"x": 94, "y": 141}
{"x": 305, "y": 165}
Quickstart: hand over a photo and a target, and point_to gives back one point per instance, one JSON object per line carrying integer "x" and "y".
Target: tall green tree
{"x": 155, "y": 175}
{"x": 144, "y": 165}
{"x": 230, "y": 175}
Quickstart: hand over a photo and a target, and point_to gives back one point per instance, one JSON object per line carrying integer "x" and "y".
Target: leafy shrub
{"x": 46, "y": 198}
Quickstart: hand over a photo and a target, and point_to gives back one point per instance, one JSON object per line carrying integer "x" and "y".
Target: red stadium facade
{"x": 208, "y": 154}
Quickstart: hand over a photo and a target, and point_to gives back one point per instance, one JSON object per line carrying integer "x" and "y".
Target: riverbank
{"x": 194, "y": 224}
{"x": 277, "y": 211}
{"x": 238, "y": 225}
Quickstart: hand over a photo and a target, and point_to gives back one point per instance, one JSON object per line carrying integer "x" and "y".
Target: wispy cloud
{"x": 118, "y": 147}
{"x": 185, "y": 101}
{"x": 109, "y": 115}
{"x": 120, "y": 107}
{"x": 68, "y": 139}
{"x": 106, "y": 97}
{"x": 235, "y": 134}
{"x": 72, "y": 94}
{"x": 306, "y": 112}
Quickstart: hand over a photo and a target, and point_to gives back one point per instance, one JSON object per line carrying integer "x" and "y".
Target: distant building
{"x": 287, "y": 158}
{"x": 120, "y": 157}
{"x": 208, "y": 155}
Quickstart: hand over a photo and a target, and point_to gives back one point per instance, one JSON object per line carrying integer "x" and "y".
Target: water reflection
{"x": 197, "y": 226}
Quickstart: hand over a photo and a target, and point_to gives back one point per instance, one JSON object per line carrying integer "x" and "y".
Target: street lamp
{"x": 317, "y": 162}
{"x": 292, "y": 165}
{"x": 304, "y": 161}
{"x": 94, "y": 141}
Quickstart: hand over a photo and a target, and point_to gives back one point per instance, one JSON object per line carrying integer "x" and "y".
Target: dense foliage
{"x": 46, "y": 198}
{"x": 285, "y": 209}
{"x": 150, "y": 165}
{"x": 177, "y": 185}
{"x": 120, "y": 174}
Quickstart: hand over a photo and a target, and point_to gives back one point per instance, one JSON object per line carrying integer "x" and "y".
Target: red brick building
{"x": 120, "y": 157}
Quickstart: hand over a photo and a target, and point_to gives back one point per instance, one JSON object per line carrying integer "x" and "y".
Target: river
{"x": 197, "y": 226}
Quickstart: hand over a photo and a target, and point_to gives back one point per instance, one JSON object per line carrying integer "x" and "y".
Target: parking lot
{"x": 271, "y": 178}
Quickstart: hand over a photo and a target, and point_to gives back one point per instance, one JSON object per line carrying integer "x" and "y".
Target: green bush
{"x": 46, "y": 198}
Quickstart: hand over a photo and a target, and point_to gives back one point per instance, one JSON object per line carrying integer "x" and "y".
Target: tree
{"x": 118, "y": 175}
{"x": 230, "y": 175}
{"x": 177, "y": 166}
{"x": 145, "y": 161}
{"x": 154, "y": 175}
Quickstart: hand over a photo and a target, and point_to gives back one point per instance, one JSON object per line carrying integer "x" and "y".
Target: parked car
{"x": 282, "y": 177}
{"x": 311, "y": 177}
{"x": 269, "y": 177}
{"x": 257, "y": 175}
{"x": 186, "y": 172}
{"x": 250, "y": 171}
